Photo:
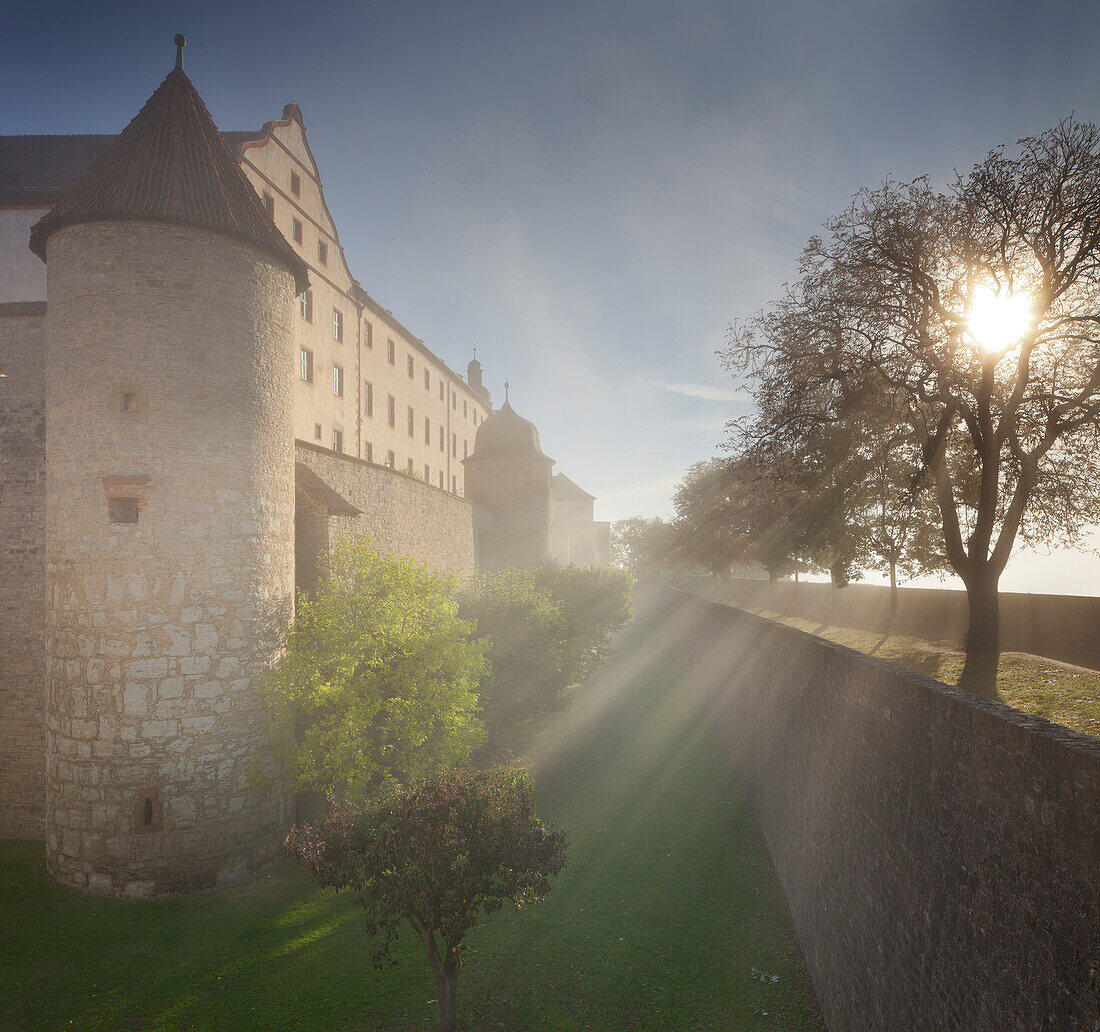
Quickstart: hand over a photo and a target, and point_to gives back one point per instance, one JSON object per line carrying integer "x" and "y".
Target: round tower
{"x": 170, "y": 478}
{"x": 508, "y": 483}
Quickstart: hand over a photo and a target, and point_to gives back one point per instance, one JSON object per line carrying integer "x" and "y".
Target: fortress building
{"x": 197, "y": 399}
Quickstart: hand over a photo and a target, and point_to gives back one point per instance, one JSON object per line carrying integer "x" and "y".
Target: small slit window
{"x": 297, "y": 231}
{"x": 295, "y": 184}
{"x": 122, "y": 510}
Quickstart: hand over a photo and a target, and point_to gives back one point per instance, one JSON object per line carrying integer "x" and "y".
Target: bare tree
{"x": 971, "y": 319}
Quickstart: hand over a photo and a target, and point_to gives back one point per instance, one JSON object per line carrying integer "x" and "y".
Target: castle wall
{"x": 22, "y": 575}
{"x": 938, "y": 851}
{"x": 22, "y": 274}
{"x": 403, "y": 515}
{"x": 156, "y": 628}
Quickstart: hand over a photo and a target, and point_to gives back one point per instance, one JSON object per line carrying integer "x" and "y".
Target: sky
{"x": 589, "y": 192}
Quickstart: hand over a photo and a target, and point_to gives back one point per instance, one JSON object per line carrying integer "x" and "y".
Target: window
{"x": 368, "y": 451}
{"x": 465, "y": 448}
{"x": 316, "y": 431}
{"x": 297, "y": 231}
{"x": 427, "y": 379}
{"x": 427, "y": 431}
{"x": 306, "y": 305}
{"x": 441, "y": 480}
{"x": 464, "y": 412}
{"x": 122, "y": 510}
{"x": 409, "y": 365}
{"x": 454, "y": 401}
{"x": 337, "y": 441}
{"x": 409, "y": 467}
{"x": 454, "y": 445}
{"x": 337, "y": 381}
{"x": 442, "y": 439}
{"x": 412, "y": 421}
{"x": 295, "y": 184}
{"x": 427, "y": 473}
{"x": 440, "y": 390}
{"x": 307, "y": 365}
{"x": 454, "y": 484}
{"x": 337, "y": 325}
{"x": 129, "y": 401}
{"x": 390, "y": 352}
{"x": 368, "y": 334}
{"x": 368, "y": 398}
{"x": 391, "y": 411}
{"x": 322, "y": 252}
{"x": 389, "y": 459}
{"x": 269, "y": 206}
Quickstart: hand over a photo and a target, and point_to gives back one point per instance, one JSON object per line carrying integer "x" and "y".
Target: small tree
{"x": 379, "y": 679}
{"x": 544, "y": 631}
{"x": 437, "y": 855}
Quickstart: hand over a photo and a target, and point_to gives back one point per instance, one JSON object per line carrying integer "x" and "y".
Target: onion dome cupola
{"x": 507, "y": 435}
{"x": 170, "y": 164}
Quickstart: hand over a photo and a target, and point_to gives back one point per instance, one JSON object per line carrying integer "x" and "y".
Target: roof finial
{"x": 181, "y": 42}
{"x": 475, "y": 352}
{"x": 506, "y": 386}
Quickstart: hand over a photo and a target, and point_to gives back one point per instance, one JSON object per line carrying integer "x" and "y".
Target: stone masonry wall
{"x": 170, "y": 554}
{"x": 939, "y": 852}
{"x": 22, "y": 572}
{"x": 1065, "y": 627}
{"x": 403, "y": 515}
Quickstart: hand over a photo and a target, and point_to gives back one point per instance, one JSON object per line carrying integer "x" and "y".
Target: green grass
{"x": 668, "y": 915}
{"x": 1065, "y": 694}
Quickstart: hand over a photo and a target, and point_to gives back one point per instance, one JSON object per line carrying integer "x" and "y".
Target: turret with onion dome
{"x": 508, "y": 481}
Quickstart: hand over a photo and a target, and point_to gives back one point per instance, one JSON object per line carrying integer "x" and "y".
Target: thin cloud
{"x": 703, "y": 391}
{"x": 702, "y": 423}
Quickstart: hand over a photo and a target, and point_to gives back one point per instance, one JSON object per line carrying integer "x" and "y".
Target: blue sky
{"x": 589, "y": 192}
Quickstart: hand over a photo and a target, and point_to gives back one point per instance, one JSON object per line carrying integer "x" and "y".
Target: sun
{"x": 998, "y": 319}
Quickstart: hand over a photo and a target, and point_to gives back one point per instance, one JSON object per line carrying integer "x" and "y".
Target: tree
{"x": 544, "y": 631}
{"x": 379, "y": 679}
{"x": 595, "y": 602}
{"x": 437, "y": 855}
{"x": 524, "y": 634}
{"x": 642, "y": 546}
{"x": 971, "y": 318}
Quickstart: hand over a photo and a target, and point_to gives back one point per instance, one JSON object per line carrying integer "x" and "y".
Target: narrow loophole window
{"x": 147, "y": 813}
{"x": 122, "y": 510}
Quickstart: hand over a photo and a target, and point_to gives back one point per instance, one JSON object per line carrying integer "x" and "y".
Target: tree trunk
{"x": 893, "y": 590}
{"x": 983, "y": 633}
{"x": 446, "y": 990}
{"x": 983, "y": 636}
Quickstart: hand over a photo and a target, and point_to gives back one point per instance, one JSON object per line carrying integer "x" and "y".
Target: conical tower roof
{"x": 170, "y": 164}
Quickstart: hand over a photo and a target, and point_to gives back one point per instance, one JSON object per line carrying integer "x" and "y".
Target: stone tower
{"x": 508, "y": 482}
{"x": 170, "y": 480}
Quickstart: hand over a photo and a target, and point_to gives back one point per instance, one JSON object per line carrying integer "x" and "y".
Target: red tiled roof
{"x": 170, "y": 164}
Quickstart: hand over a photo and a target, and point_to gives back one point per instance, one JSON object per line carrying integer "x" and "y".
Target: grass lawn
{"x": 1065, "y": 694}
{"x": 668, "y": 915}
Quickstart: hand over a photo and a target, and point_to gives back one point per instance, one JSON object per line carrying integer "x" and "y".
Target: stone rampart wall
{"x": 939, "y": 852}
{"x": 1065, "y": 627}
{"x": 404, "y": 515}
{"x": 22, "y": 573}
